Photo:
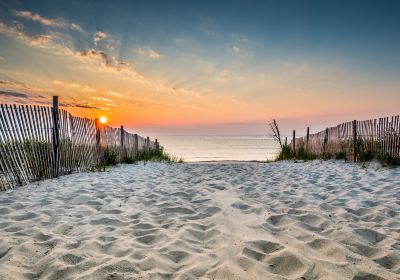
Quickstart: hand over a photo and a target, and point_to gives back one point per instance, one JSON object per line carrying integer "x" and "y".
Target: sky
{"x": 204, "y": 67}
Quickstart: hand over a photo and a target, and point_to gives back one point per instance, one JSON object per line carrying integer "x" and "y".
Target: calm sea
{"x": 216, "y": 148}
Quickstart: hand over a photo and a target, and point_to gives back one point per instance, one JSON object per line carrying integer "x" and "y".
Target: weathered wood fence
{"x": 38, "y": 142}
{"x": 354, "y": 140}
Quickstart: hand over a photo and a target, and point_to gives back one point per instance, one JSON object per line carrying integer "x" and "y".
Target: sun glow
{"x": 103, "y": 120}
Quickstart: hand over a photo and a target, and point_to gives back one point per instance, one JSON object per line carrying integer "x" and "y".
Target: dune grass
{"x": 110, "y": 157}
{"x": 152, "y": 155}
{"x": 363, "y": 155}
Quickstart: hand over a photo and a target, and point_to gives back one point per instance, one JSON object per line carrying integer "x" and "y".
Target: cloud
{"x": 18, "y": 86}
{"x": 48, "y": 22}
{"x": 87, "y": 89}
{"x": 106, "y": 60}
{"x": 154, "y": 54}
{"x": 98, "y": 36}
{"x": 58, "y": 45}
{"x": 17, "y": 30}
{"x": 82, "y": 104}
{"x": 102, "y": 99}
{"x": 226, "y": 75}
{"x": 104, "y": 39}
{"x": 13, "y": 94}
{"x": 150, "y": 53}
{"x": 2, "y": 58}
{"x": 114, "y": 93}
{"x": 64, "y": 84}
{"x": 236, "y": 49}
{"x": 87, "y": 106}
{"x": 73, "y": 85}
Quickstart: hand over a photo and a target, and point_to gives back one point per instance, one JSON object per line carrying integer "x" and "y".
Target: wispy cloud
{"x": 18, "y": 86}
{"x": 65, "y": 84}
{"x": 226, "y": 75}
{"x": 13, "y": 94}
{"x": 87, "y": 89}
{"x": 98, "y": 36}
{"x": 102, "y": 99}
{"x": 58, "y": 44}
{"x": 85, "y": 106}
{"x": 16, "y": 30}
{"x": 236, "y": 49}
{"x": 48, "y": 22}
{"x": 150, "y": 53}
{"x": 73, "y": 85}
{"x": 106, "y": 60}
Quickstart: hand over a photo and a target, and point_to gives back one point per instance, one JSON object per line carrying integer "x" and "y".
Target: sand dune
{"x": 313, "y": 220}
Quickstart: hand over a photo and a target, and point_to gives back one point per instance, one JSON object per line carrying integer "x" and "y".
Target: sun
{"x": 103, "y": 120}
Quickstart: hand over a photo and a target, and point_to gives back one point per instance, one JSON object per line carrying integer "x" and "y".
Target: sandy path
{"x": 314, "y": 220}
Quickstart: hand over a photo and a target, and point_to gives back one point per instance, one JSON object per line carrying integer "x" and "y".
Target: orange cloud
{"x": 48, "y": 22}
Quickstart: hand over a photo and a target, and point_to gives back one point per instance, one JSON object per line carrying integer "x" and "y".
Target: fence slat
{"x": 38, "y": 142}
{"x": 356, "y": 139}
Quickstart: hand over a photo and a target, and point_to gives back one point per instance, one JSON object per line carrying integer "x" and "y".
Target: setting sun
{"x": 103, "y": 119}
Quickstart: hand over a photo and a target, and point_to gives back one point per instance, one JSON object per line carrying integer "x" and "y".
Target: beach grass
{"x": 110, "y": 157}
{"x": 152, "y": 155}
{"x": 363, "y": 155}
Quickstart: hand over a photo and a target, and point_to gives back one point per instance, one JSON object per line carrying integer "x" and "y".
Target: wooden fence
{"x": 38, "y": 142}
{"x": 355, "y": 140}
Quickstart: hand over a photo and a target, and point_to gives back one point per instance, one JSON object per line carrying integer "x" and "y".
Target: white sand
{"x": 314, "y": 220}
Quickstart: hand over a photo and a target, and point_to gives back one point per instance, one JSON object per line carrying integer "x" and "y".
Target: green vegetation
{"x": 27, "y": 155}
{"x": 388, "y": 160}
{"x": 152, "y": 155}
{"x": 340, "y": 155}
{"x": 110, "y": 157}
{"x": 363, "y": 150}
{"x": 285, "y": 153}
{"x": 301, "y": 154}
{"x": 364, "y": 155}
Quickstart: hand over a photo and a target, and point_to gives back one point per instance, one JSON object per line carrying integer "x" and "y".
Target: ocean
{"x": 193, "y": 148}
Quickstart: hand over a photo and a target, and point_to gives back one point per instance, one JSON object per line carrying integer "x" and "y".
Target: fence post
{"x": 56, "y": 137}
{"x": 325, "y": 140}
{"x": 157, "y": 145}
{"x": 98, "y": 150}
{"x": 285, "y": 141}
{"x": 307, "y": 137}
{"x": 294, "y": 141}
{"x": 147, "y": 144}
{"x": 355, "y": 150}
{"x": 122, "y": 143}
{"x": 136, "y": 144}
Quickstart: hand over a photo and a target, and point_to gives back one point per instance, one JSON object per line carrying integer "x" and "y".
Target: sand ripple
{"x": 313, "y": 220}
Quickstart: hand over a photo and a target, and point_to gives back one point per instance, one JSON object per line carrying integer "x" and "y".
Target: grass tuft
{"x": 152, "y": 155}
{"x": 389, "y": 161}
{"x": 285, "y": 154}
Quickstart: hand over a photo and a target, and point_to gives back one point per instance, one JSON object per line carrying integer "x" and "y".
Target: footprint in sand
{"x": 328, "y": 249}
{"x": 287, "y": 265}
{"x": 367, "y": 276}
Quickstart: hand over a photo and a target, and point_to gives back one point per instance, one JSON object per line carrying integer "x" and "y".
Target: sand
{"x": 312, "y": 220}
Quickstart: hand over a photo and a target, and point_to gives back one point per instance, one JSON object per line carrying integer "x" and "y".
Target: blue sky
{"x": 164, "y": 64}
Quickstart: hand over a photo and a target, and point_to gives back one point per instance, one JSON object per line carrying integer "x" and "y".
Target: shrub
{"x": 340, "y": 155}
{"x": 388, "y": 160}
{"x": 285, "y": 153}
{"x": 303, "y": 154}
{"x": 363, "y": 153}
{"x": 109, "y": 157}
{"x": 152, "y": 155}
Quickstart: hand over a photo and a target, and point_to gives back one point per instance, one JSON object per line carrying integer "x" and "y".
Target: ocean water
{"x": 216, "y": 148}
